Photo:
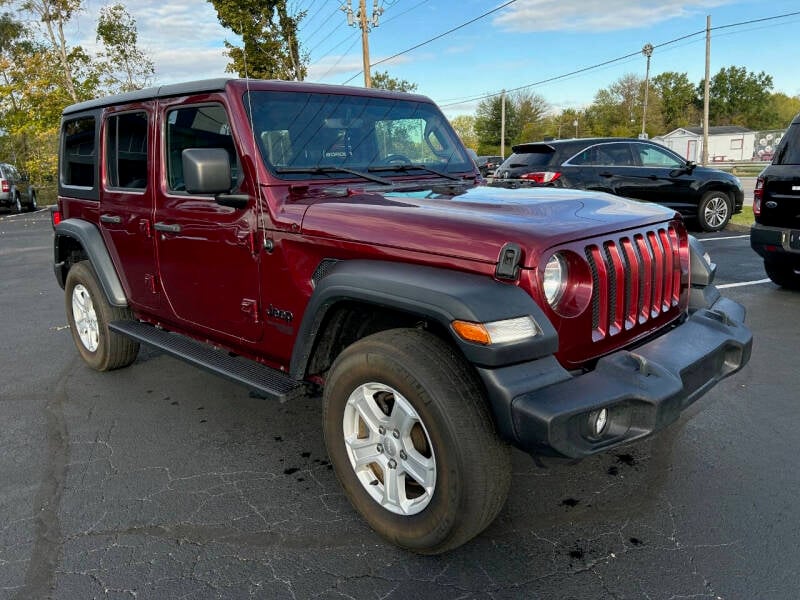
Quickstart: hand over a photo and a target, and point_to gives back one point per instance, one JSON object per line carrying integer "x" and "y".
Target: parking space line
{"x": 742, "y": 284}
{"x": 730, "y": 237}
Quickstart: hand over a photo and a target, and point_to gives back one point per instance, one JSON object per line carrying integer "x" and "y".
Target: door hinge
{"x": 151, "y": 282}
{"x": 250, "y": 307}
{"x": 144, "y": 227}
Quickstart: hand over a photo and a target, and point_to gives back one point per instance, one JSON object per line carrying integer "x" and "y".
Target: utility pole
{"x": 648, "y": 52}
{"x": 503, "y": 124}
{"x": 361, "y": 20}
{"x": 706, "y": 91}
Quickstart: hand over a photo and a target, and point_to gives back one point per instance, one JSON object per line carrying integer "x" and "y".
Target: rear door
{"x": 780, "y": 205}
{"x": 126, "y": 207}
{"x": 207, "y": 256}
{"x": 607, "y": 167}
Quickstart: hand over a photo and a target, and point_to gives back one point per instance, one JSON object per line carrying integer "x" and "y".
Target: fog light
{"x": 598, "y": 420}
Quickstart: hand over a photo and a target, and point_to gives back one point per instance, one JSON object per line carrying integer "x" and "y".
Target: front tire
{"x": 411, "y": 440}
{"x": 88, "y": 315}
{"x": 783, "y": 274}
{"x": 714, "y": 211}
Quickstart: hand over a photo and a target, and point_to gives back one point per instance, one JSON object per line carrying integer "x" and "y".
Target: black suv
{"x": 15, "y": 191}
{"x": 487, "y": 164}
{"x": 627, "y": 167}
{"x": 776, "y": 207}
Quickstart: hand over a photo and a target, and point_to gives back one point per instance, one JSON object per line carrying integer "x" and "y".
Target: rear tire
{"x": 783, "y": 274}
{"x": 32, "y": 205}
{"x": 16, "y": 205}
{"x": 714, "y": 211}
{"x": 412, "y": 442}
{"x": 88, "y": 315}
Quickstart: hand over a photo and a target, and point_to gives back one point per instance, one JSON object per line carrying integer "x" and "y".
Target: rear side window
{"x": 789, "y": 152}
{"x": 79, "y": 158}
{"x": 126, "y": 151}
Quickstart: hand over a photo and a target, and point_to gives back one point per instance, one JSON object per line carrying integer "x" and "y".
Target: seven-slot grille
{"x": 635, "y": 278}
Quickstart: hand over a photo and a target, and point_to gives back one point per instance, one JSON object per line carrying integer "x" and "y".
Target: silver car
{"x": 16, "y": 192}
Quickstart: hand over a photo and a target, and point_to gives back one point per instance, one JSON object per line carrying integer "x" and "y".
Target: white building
{"x": 725, "y": 143}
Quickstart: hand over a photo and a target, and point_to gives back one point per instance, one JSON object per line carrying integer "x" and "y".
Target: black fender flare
{"x": 88, "y": 236}
{"x": 433, "y": 293}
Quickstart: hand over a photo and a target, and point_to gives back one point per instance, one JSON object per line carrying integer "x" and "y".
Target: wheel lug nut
{"x": 380, "y": 448}
{"x": 403, "y": 454}
{"x": 392, "y": 464}
{"x": 382, "y": 430}
{"x": 396, "y": 433}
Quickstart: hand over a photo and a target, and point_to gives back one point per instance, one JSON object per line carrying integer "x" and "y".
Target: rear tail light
{"x": 758, "y": 195}
{"x": 541, "y": 176}
{"x": 4, "y": 185}
{"x": 55, "y": 216}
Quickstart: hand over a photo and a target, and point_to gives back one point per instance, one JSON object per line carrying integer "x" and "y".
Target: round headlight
{"x": 554, "y": 279}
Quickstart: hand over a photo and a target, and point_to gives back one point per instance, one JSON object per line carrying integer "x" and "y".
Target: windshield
{"x": 302, "y": 134}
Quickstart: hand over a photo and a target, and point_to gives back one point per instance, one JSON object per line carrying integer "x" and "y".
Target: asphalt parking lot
{"x": 161, "y": 481}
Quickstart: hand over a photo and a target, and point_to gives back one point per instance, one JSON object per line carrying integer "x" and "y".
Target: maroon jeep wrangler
{"x": 292, "y": 236}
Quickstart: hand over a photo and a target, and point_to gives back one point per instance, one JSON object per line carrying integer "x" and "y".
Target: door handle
{"x": 653, "y": 177}
{"x": 168, "y": 227}
{"x": 111, "y": 219}
{"x": 606, "y": 174}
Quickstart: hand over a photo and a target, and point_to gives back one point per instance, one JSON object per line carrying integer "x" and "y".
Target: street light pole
{"x": 648, "y": 52}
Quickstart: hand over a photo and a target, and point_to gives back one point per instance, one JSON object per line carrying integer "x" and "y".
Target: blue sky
{"x": 525, "y": 42}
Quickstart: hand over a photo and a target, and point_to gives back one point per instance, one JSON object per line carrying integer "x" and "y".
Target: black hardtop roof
{"x": 220, "y": 84}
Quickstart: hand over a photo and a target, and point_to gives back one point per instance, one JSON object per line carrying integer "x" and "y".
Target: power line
{"x": 433, "y": 39}
{"x": 620, "y": 58}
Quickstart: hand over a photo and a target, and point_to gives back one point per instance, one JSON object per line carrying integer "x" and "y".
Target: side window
{"x": 650, "y": 156}
{"x": 126, "y": 151}
{"x": 204, "y": 126}
{"x": 79, "y": 159}
{"x": 592, "y": 156}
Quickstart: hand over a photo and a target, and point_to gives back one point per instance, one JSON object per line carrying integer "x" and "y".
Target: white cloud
{"x": 582, "y": 15}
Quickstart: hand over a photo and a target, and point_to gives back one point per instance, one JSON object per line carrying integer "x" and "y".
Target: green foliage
{"x": 465, "y": 128}
{"x": 382, "y": 81}
{"x": 271, "y": 48}
{"x": 531, "y": 110}
{"x": 125, "y": 66}
{"x": 785, "y": 108}
{"x": 739, "y": 97}
{"x": 680, "y": 105}
{"x": 488, "y": 124}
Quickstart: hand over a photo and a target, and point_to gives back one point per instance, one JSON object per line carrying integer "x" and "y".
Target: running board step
{"x": 269, "y": 382}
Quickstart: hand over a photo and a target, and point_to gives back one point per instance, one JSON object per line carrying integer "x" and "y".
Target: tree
{"x": 488, "y": 124}
{"x": 531, "y": 110}
{"x": 126, "y": 66}
{"x": 680, "y": 105}
{"x": 382, "y": 81}
{"x": 617, "y": 109}
{"x": 785, "y": 108}
{"x": 55, "y": 14}
{"x": 271, "y": 48}
{"x": 465, "y": 128}
{"x": 739, "y": 97}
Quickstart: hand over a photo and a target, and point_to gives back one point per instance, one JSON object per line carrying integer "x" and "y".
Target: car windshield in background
{"x": 304, "y": 135}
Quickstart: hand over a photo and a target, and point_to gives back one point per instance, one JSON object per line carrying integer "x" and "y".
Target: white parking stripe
{"x": 730, "y": 237}
{"x": 743, "y": 283}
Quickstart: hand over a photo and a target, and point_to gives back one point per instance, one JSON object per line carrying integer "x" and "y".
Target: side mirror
{"x": 690, "y": 166}
{"x": 206, "y": 170}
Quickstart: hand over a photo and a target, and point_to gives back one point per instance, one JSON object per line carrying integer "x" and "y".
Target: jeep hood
{"x": 476, "y": 223}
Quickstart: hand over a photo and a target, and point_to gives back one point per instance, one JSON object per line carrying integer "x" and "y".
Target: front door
{"x": 207, "y": 255}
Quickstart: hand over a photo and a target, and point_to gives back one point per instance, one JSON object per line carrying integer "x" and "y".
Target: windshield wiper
{"x": 323, "y": 170}
{"x": 413, "y": 166}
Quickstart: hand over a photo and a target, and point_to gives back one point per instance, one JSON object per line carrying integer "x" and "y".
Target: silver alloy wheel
{"x": 716, "y": 212}
{"x": 389, "y": 448}
{"x": 85, "y": 318}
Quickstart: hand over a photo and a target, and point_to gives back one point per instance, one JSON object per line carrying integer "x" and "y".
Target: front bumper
{"x": 541, "y": 408}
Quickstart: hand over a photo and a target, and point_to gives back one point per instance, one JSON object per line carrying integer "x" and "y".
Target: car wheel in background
{"x": 16, "y": 205}
{"x": 32, "y": 205}
{"x": 784, "y": 274}
{"x": 714, "y": 211}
